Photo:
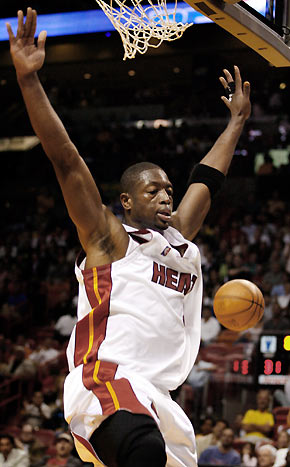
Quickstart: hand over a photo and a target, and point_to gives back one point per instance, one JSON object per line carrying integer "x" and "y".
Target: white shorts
{"x": 85, "y": 410}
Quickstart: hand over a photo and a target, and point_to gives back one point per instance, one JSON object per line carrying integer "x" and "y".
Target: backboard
{"x": 262, "y": 34}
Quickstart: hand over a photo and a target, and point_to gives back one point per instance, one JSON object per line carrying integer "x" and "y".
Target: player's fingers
{"x": 34, "y": 23}
{"x": 28, "y": 22}
{"x": 238, "y": 79}
{"x": 41, "y": 40}
{"x": 228, "y": 75}
{"x": 223, "y": 82}
{"x": 20, "y": 27}
{"x": 10, "y": 32}
{"x": 226, "y": 101}
{"x": 247, "y": 89}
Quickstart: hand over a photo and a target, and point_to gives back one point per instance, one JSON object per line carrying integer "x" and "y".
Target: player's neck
{"x": 140, "y": 226}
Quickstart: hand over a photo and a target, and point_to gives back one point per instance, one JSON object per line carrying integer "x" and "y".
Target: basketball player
{"x": 140, "y": 285}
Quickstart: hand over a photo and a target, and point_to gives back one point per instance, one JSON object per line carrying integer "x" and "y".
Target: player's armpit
{"x": 109, "y": 247}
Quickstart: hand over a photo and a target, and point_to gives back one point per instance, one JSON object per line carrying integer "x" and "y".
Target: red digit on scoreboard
{"x": 236, "y": 365}
{"x": 245, "y": 367}
{"x": 278, "y": 367}
{"x": 268, "y": 366}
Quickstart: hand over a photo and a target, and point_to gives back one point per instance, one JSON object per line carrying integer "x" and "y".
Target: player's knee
{"x": 146, "y": 450}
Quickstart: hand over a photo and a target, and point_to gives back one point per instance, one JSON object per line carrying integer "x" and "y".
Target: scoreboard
{"x": 273, "y": 358}
{"x": 267, "y": 363}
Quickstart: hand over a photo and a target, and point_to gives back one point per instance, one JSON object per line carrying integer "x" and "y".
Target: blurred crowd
{"x": 249, "y": 239}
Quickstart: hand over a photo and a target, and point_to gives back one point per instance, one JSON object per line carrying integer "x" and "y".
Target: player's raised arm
{"x": 208, "y": 175}
{"x": 79, "y": 189}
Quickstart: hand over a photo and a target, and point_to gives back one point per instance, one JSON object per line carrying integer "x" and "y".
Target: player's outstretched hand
{"x": 239, "y": 100}
{"x": 27, "y": 56}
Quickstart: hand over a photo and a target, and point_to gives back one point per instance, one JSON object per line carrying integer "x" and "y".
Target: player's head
{"x": 147, "y": 196}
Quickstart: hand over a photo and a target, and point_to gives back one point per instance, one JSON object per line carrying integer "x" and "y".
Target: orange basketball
{"x": 238, "y": 304}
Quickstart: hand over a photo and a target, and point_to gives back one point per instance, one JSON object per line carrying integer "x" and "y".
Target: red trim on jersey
{"x": 107, "y": 371}
{"x": 104, "y": 284}
{"x": 86, "y": 444}
{"x": 140, "y": 231}
{"x": 81, "y": 340}
{"x": 154, "y": 409}
{"x": 138, "y": 239}
{"x": 96, "y": 373}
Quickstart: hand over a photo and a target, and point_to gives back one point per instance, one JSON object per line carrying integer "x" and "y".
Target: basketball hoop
{"x": 141, "y": 26}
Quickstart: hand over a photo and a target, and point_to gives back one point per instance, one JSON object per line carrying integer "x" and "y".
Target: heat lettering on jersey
{"x": 181, "y": 281}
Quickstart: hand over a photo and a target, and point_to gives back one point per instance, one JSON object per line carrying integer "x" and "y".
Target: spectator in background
{"x": 288, "y": 459}
{"x": 249, "y": 458}
{"x": 283, "y": 397}
{"x": 276, "y": 206}
{"x": 18, "y": 365}
{"x": 63, "y": 456}
{"x": 284, "y": 299}
{"x": 280, "y": 288}
{"x": 267, "y": 167}
{"x": 198, "y": 379}
{"x": 238, "y": 269}
{"x": 36, "y": 413}
{"x": 211, "y": 439}
{"x": 223, "y": 454}
{"x": 266, "y": 455}
{"x": 274, "y": 274}
{"x": 278, "y": 322}
{"x": 258, "y": 423}
{"x": 65, "y": 324}
{"x": 268, "y": 310}
{"x": 206, "y": 427}
{"x": 283, "y": 442}
{"x": 249, "y": 228}
{"x": 31, "y": 444}
{"x": 210, "y": 327}
{"x": 46, "y": 351}
{"x": 200, "y": 372}
{"x": 252, "y": 334}
{"x": 10, "y": 456}
{"x": 237, "y": 425}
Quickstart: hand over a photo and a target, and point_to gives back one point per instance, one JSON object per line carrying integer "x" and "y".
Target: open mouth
{"x": 164, "y": 216}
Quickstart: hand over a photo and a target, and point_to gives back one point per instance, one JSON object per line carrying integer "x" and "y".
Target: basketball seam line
{"x": 238, "y": 298}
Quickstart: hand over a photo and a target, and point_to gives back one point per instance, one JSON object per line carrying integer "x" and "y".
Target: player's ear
{"x": 126, "y": 201}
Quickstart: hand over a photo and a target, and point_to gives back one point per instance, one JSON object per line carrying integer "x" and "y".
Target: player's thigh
{"x": 126, "y": 439}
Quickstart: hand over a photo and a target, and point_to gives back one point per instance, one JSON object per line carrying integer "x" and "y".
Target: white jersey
{"x": 137, "y": 317}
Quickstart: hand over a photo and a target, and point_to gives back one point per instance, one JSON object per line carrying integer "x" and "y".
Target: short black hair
{"x": 227, "y": 425}
{"x": 131, "y": 174}
{"x": 8, "y": 436}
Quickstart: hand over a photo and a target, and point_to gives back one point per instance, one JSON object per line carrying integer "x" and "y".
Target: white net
{"x": 141, "y": 26}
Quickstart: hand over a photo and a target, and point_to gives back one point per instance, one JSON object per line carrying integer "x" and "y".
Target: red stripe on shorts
{"x": 86, "y": 444}
{"x": 91, "y": 330}
{"x": 124, "y": 394}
